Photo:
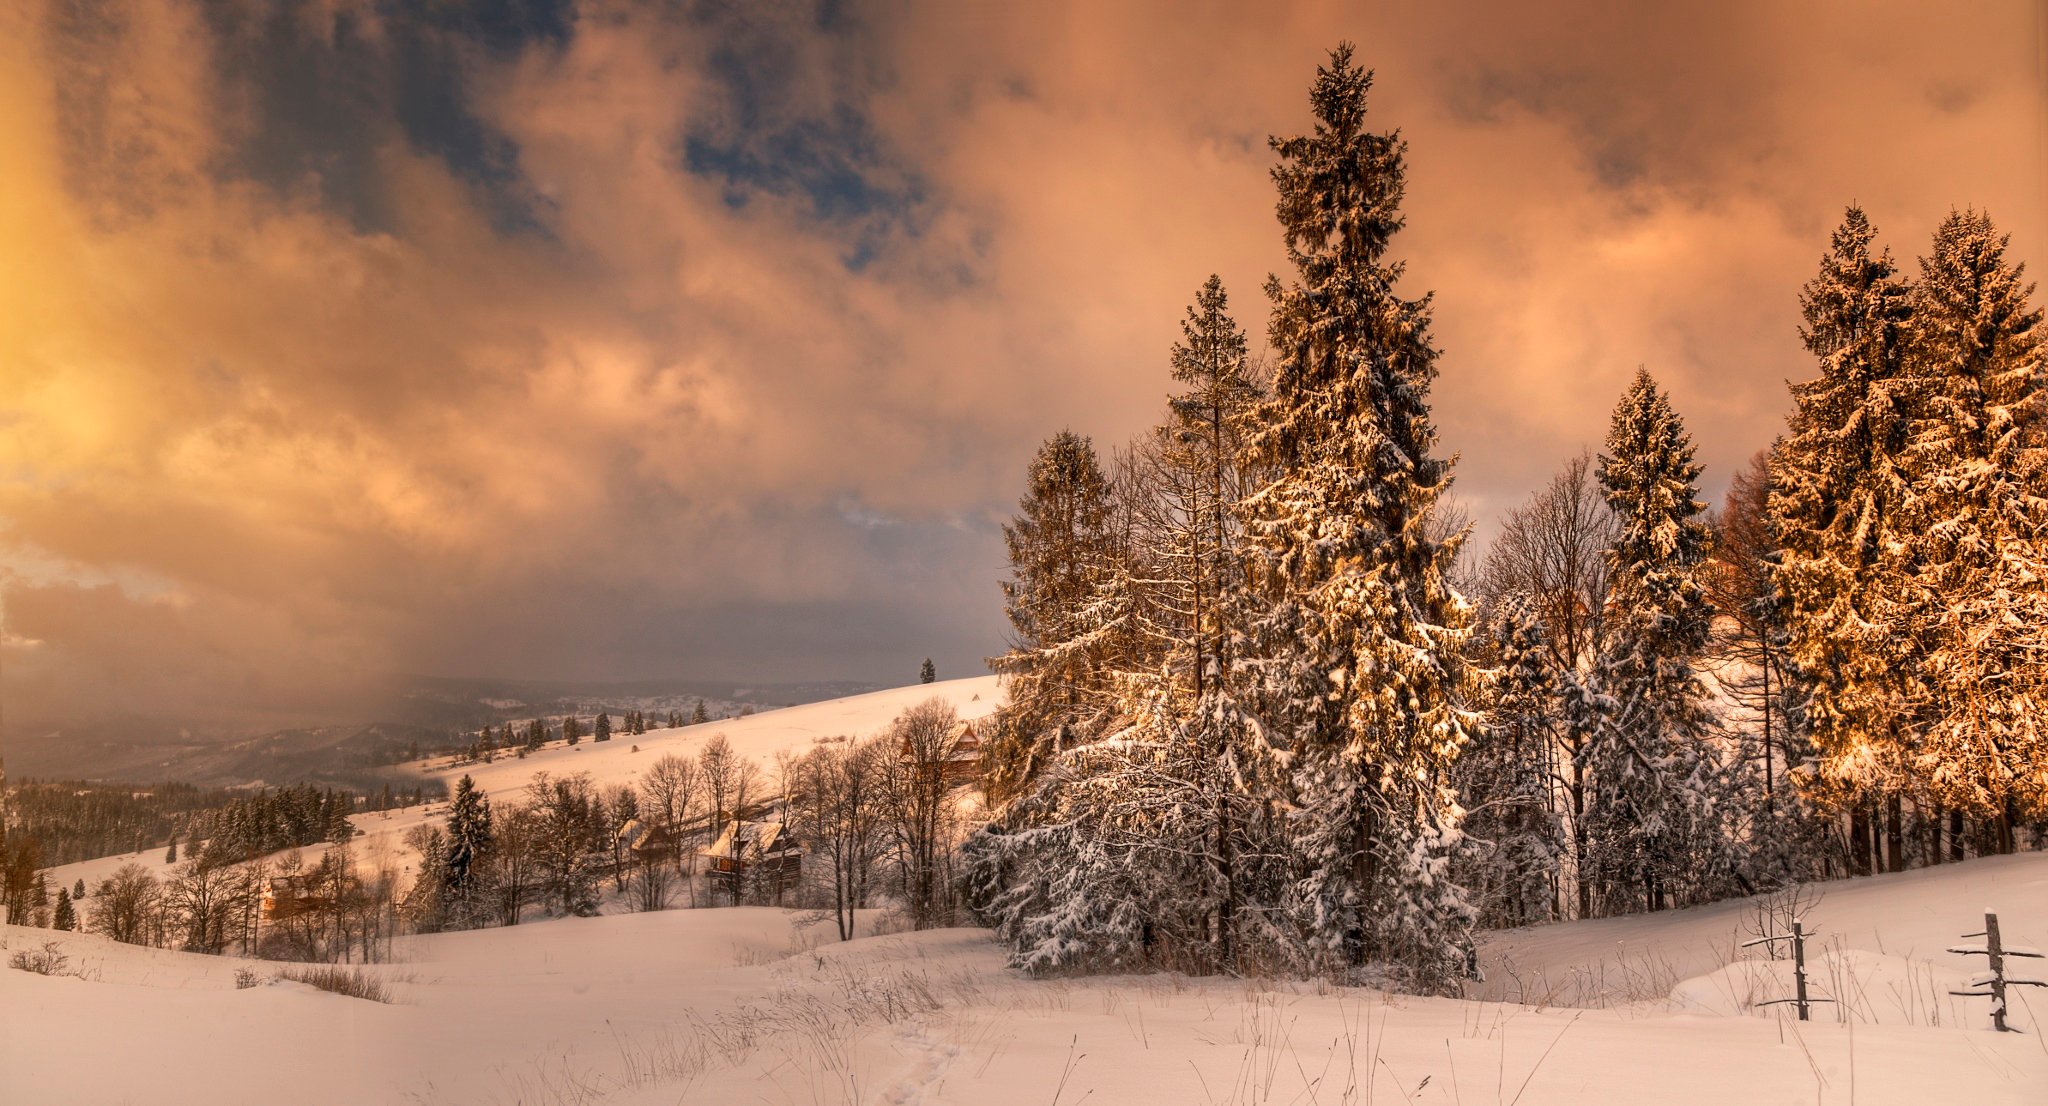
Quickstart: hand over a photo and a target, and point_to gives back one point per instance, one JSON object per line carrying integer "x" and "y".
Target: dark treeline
{"x": 1261, "y": 715}
{"x": 73, "y": 820}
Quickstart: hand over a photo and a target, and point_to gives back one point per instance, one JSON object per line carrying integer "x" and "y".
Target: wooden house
{"x": 754, "y": 854}
{"x": 641, "y": 839}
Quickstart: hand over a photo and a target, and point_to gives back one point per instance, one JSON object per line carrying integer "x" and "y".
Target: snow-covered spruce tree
{"x": 466, "y": 896}
{"x": 1839, "y": 490}
{"x": 1060, "y": 545}
{"x": 1504, "y": 776}
{"x": 1651, "y": 817}
{"x": 1143, "y": 849}
{"x": 1978, "y": 462}
{"x": 1355, "y": 657}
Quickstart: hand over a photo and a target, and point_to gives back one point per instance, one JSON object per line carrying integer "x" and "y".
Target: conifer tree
{"x": 1058, "y": 545}
{"x": 78, "y": 889}
{"x": 603, "y": 729}
{"x": 468, "y": 843}
{"x": 1651, "y": 821}
{"x": 64, "y": 918}
{"x": 1978, "y": 456}
{"x": 1504, "y": 775}
{"x": 1838, "y": 499}
{"x": 698, "y": 715}
{"x": 926, "y": 674}
{"x": 1201, "y": 471}
{"x": 1357, "y": 653}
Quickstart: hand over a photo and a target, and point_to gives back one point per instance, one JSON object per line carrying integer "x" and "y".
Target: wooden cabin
{"x": 963, "y": 762}
{"x": 641, "y": 839}
{"x": 290, "y": 896}
{"x": 760, "y": 854}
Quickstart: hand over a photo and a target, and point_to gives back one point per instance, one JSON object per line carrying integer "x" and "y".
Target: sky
{"x": 343, "y": 340}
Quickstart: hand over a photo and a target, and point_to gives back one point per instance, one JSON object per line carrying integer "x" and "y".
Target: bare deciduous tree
{"x": 836, "y": 807}
{"x": 921, "y": 744}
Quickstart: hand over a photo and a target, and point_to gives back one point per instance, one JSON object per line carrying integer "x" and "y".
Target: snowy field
{"x": 752, "y": 1005}
{"x": 746, "y": 1006}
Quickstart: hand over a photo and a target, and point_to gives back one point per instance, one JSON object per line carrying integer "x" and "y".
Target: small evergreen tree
{"x": 469, "y": 842}
{"x": 603, "y": 730}
{"x": 927, "y": 673}
{"x": 1504, "y": 776}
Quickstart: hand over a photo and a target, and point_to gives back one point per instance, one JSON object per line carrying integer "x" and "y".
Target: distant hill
{"x": 430, "y": 714}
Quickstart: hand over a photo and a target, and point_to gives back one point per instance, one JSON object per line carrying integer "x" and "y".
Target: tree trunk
{"x": 1859, "y": 838}
{"x": 1955, "y": 835}
{"x": 1895, "y": 834}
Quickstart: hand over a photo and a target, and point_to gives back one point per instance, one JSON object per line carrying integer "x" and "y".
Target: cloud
{"x": 344, "y": 340}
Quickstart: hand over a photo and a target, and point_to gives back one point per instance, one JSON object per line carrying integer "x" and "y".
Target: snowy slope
{"x": 742, "y": 1006}
{"x": 1879, "y": 950}
{"x": 760, "y": 736}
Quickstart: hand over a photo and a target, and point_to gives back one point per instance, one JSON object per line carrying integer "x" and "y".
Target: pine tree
{"x": 926, "y": 674}
{"x": 1839, "y": 493}
{"x": 1058, "y": 545}
{"x": 603, "y": 730}
{"x": 64, "y": 918}
{"x": 1358, "y": 652}
{"x": 698, "y": 716}
{"x": 469, "y": 842}
{"x": 1651, "y": 821}
{"x": 171, "y": 854}
{"x": 1978, "y": 456}
{"x": 78, "y": 889}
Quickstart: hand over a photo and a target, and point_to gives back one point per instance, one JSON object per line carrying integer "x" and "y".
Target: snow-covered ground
{"x": 753, "y": 1006}
{"x": 745, "y": 1006}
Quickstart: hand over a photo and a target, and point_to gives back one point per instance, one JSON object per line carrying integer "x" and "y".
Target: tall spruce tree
{"x": 926, "y": 673}
{"x": 1651, "y": 818}
{"x": 1357, "y": 650}
{"x": 1978, "y": 454}
{"x": 1839, "y": 498}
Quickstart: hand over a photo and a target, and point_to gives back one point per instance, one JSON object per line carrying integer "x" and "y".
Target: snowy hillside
{"x": 618, "y": 761}
{"x": 742, "y": 1006}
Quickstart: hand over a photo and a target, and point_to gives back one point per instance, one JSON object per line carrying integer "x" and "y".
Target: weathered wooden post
{"x": 1801, "y": 1001}
{"x": 1994, "y": 950}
